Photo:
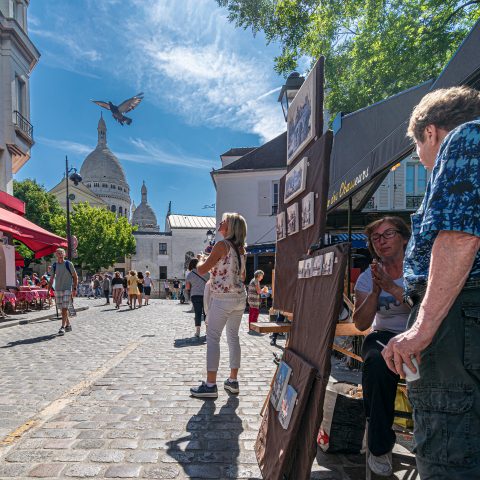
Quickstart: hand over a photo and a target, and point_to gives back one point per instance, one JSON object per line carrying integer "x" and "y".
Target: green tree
{"x": 41, "y": 208}
{"x": 102, "y": 236}
{"x": 373, "y": 49}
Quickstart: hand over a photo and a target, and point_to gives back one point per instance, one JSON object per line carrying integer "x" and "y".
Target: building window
{"x": 96, "y": 184}
{"x": 112, "y": 186}
{"x": 21, "y": 95}
{"x": 89, "y": 185}
{"x": 113, "y": 208}
{"x": 275, "y": 190}
{"x": 162, "y": 248}
{"x": 105, "y": 185}
{"x": 163, "y": 273}
{"x": 120, "y": 210}
{"x": 120, "y": 188}
{"x": 415, "y": 185}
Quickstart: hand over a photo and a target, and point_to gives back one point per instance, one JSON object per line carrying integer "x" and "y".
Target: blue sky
{"x": 208, "y": 87}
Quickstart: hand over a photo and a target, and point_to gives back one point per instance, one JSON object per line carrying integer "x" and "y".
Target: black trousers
{"x": 197, "y": 302}
{"x": 107, "y": 295}
{"x": 379, "y": 392}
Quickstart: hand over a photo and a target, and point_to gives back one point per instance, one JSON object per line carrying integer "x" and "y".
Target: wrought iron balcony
{"x": 370, "y": 205}
{"x": 23, "y": 124}
{"x": 413, "y": 201}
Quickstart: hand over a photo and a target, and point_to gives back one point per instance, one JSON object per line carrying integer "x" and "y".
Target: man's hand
{"x": 402, "y": 348}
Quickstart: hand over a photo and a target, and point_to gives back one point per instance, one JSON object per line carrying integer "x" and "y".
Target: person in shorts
{"x": 66, "y": 281}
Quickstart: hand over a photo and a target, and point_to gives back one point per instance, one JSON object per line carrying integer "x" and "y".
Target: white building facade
{"x": 18, "y": 57}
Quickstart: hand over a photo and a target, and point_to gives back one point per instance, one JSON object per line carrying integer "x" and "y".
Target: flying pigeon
{"x": 124, "y": 107}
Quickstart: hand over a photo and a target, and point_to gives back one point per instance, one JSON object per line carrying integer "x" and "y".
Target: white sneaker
{"x": 381, "y": 465}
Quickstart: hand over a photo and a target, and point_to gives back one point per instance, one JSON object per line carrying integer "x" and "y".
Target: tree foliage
{"x": 41, "y": 208}
{"x": 102, "y": 236}
{"x": 373, "y": 49}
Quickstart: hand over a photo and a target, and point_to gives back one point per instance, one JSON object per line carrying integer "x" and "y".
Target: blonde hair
{"x": 236, "y": 228}
{"x": 133, "y": 272}
{"x": 446, "y": 108}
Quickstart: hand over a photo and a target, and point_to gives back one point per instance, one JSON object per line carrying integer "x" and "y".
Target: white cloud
{"x": 65, "y": 145}
{"x": 185, "y": 55}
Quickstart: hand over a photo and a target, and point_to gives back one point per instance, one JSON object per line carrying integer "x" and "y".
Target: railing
{"x": 370, "y": 205}
{"x": 413, "y": 201}
{"x": 23, "y": 124}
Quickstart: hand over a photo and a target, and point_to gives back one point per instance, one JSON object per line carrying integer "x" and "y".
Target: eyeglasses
{"x": 390, "y": 233}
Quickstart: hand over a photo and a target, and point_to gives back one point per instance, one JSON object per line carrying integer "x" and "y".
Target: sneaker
{"x": 232, "y": 387}
{"x": 204, "y": 391}
{"x": 381, "y": 464}
{"x": 61, "y": 332}
{"x": 68, "y": 328}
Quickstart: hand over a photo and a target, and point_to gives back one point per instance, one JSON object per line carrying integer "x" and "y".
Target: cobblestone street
{"x": 111, "y": 400}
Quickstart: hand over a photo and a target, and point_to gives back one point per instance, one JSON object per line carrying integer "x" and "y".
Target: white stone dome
{"x": 144, "y": 216}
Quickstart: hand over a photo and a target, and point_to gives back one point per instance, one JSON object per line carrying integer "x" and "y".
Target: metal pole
{"x": 69, "y": 239}
{"x": 349, "y": 263}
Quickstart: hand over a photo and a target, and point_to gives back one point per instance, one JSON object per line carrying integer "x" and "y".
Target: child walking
{"x": 254, "y": 291}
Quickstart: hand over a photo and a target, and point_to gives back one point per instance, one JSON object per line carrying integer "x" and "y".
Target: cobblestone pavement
{"x": 111, "y": 400}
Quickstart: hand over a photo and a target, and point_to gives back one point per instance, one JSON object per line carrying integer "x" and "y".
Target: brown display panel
{"x": 290, "y": 249}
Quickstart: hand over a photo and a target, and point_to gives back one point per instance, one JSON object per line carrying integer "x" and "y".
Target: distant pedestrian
{"x": 226, "y": 303}
{"x": 166, "y": 287}
{"x": 195, "y": 285}
{"x": 176, "y": 287}
{"x": 106, "y": 289}
{"x": 140, "y": 281}
{"x": 125, "y": 287}
{"x": 148, "y": 285}
{"x": 132, "y": 288}
{"x": 66, "y": 281}
{"x": 96, "y": 287}
{"x": 254, "y": 299}
{"x": 117, "y": 289}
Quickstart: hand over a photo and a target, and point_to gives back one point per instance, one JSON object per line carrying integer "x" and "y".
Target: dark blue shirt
{"x": 451, "y": 202}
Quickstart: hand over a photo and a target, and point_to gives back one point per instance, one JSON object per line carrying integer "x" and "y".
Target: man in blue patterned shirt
{"x": 442, "y": 274}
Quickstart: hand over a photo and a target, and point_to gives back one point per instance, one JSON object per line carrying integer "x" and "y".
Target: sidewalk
{"x": 23, "y": 318}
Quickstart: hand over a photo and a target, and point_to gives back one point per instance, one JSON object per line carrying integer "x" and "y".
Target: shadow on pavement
{"x": 190, "y": 342}
{"x": 28, "y": 341}
{"x": 212, "y": 448}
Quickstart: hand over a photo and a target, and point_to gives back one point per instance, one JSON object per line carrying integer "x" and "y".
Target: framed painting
{"x": 296, "y": 180}
{"x": 293, "y": 223}
{"x": 281, "y": 226}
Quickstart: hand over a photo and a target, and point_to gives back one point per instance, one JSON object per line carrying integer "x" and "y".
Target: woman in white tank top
{"x": 226, "y": 305}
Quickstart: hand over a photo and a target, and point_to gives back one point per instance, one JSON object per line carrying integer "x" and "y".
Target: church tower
{"x": 144, "y": 216}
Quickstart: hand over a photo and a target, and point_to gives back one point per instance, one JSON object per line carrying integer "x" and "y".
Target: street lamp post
{"x": 76, "y": 179}
{"x": 289, "y": 90}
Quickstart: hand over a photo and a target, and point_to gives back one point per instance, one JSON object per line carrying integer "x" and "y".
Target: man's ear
{"x": 431, "y": 134}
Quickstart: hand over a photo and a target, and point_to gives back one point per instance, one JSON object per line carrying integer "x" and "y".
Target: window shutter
{"x": 399, "y": 189}
{"x": 264, "y": 197}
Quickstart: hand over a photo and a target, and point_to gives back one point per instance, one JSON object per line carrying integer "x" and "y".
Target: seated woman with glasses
{"x": 379, "y": 305}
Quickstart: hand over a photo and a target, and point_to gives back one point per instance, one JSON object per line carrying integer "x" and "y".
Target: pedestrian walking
{"x": 254, "y": 300}
{"x": 140, "y": 282}
{"x": 226, "y": 304}
{"x": 106, "y": 288}
{"x": 195, "y": 286}
{"x": 166, "y": 287}
{"x": 442, "y": 276}
{"x": 132, "y": 288}
{"x": 66, "y": 281}
{"x": 117, "y": 289}
{"x": 96, "y": 287}
{"x": 148, "y": 285}
{"x": 176, "y": 287}
{"x": 125, "y": 288}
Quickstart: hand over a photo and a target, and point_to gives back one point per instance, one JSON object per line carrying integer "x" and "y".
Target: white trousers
{"x": 224, "y": 311}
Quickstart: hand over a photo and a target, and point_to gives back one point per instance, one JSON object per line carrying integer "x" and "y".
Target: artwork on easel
{"x": 287, "y": 405}
{"x": 327, "y": 267}
{"x": 280, "y": 385}
{"x": 292, "y": 219}
{"x": 301, "y": 266}
{"x": 281, "y": 226}
{"x": 308, "y": 218}
{"x": 296, "y": 180}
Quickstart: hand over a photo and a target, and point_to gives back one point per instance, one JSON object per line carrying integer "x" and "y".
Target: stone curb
{"x": 14, "y": 323}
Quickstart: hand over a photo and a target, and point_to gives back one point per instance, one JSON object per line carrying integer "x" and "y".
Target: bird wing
{"x": 102, "y": 104}
{"x": 130, "y": 104}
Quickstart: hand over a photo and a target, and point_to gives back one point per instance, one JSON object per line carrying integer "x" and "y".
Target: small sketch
{"x": 328, "y": 260}
{"x": 281, "y": 226}
{"x": 301, "y": 267}
{"x": 307, "y": 269}
{"x": 317, "y": 266}
{"x": 308, "y": 203}
{"x": 292, "y": 219}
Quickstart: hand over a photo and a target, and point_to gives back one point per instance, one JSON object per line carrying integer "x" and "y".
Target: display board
{"x": 302, "y": 216}
{"x": 289, "y": 453}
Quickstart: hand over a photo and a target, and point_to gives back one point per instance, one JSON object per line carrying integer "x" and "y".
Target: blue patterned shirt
{"x": 451, "y": 202}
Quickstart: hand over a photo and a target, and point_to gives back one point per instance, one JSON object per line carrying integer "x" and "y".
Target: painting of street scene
{"x": 292, "y": 219}
{"x": 281, "y": 230}
{"x": 307, "y": 210}
{"x": 296, "y": 180}
{"x": 301, "y": 119}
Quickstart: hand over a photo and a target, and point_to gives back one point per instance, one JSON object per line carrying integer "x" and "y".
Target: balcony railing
{"x": 23, "y": 124}
{"x": 413, "y": 201}
{"x": 370, "y": 205}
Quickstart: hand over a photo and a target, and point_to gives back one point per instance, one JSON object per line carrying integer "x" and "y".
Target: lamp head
{"x": 76, "y": 178}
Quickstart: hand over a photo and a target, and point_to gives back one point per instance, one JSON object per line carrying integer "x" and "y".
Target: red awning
{"x": 41, "y": 241}
{"x": 19, "y": 260}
